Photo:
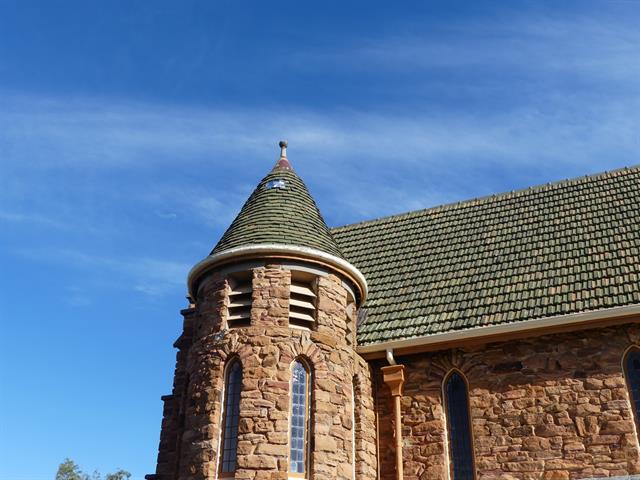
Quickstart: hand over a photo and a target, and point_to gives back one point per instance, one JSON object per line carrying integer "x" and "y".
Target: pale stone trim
{"x": 274, "y": 248}
{"x": 524, "y": 326}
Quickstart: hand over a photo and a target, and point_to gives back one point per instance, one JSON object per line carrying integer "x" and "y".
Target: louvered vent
{"x": 302, "y": 304}
{"x": 239, "y": 302}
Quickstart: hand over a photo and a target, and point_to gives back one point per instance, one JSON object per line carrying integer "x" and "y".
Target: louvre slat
{"x": 241, "y": 289}
{"x": 240, "y": 315}
{"x": 240, "y": 302}
{"x": 301, "y": 316}
{"x": 301, "y": 289}
{"x": 301, "y": 303}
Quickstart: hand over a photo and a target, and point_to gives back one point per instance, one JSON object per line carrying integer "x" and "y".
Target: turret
{"x": 267, "y": 375}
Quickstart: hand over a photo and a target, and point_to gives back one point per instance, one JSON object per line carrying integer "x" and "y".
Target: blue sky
{"x": 131, "y": 133}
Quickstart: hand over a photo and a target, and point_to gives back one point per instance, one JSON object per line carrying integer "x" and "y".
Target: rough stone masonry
{"x": 551, "y": 407}
{"x": 530, "y": 300}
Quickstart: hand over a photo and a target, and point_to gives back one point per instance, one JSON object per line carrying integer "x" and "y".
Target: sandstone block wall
{"x": 190, "y": 438}
{"x": 173, "y": 414}
{"x": 552, "y": 407}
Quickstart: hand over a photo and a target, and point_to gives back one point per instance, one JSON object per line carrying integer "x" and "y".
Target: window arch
{"x": 299, "y": 427}
{"x": 631, "y": 364}
{"x": 456, "y": 400}
{"x": 231, "y": 416}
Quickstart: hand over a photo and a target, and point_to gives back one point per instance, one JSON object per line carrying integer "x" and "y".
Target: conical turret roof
{"x": 280, "y": 211}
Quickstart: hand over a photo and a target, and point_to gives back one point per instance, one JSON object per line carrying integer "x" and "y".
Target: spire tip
{"x": 283, "y": 162}
{"x": 283, "y": 148}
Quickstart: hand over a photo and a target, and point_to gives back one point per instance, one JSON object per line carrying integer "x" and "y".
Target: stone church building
{"x": 493, "y": 338}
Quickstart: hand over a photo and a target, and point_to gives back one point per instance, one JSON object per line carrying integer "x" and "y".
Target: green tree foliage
{"x": 119, "y": 475}
{"x": 68, "y": 470}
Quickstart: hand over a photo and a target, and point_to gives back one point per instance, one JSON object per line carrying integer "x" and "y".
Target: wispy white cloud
{"x": 167, "y": 215}
{"x": 198, "y": 164}
{"x": 334, "y": 137}
{"x": 77, "y": 297}
{"x": 31, "y": 219}
{"x": 343, "y": 150}
{"x": 534, "y": 44}
{"x": 146, "y": 275}
{"x": 211, "y": 205}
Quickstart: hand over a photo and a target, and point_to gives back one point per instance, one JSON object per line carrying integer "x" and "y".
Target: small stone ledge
{"x": 182, "y": 342}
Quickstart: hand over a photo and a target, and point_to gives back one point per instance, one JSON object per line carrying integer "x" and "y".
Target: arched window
{"x": 632, "y": 375}
{"x": 458, "y": 427}
{"x": 231, "y": 412}
{"x": 298, "y": 434}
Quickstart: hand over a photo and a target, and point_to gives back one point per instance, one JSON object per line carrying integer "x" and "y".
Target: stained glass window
{"x": 299, "y": 406}
{"x": 231, "y": 417}
{"x": 459, "y": 427}
{"x": 632, "y": 372}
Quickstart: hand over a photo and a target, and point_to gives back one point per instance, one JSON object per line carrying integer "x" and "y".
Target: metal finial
{"x": 283, "y": 148}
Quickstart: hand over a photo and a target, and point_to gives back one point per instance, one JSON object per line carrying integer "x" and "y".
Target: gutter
{"x": 486, "y": 333}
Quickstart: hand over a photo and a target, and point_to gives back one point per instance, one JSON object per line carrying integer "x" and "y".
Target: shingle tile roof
{"x": 281, "y": 211}
{"x": 555, "y": 249}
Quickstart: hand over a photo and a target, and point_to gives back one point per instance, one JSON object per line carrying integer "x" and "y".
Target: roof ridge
{"x": 493, "y": 196}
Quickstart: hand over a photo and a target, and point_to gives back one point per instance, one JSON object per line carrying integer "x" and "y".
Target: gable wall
{"x": 551, "y": 407}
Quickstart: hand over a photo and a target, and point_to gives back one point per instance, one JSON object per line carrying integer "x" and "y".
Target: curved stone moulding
{"x": 260, "y": 251}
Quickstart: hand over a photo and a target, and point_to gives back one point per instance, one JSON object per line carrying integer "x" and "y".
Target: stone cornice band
{"x": 273, "y": 250}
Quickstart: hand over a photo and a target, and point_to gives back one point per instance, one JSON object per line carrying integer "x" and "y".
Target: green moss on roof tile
{"x": 281, "y": 211}
{"x": 561, "y": 248}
